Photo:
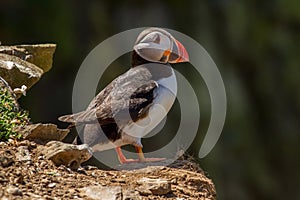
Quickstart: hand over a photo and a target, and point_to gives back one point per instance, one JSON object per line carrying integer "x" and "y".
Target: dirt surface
{"x": 26, "y": 175}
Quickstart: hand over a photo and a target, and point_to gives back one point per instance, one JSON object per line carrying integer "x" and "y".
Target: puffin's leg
{"x": 142, "y": 157}
{"x": 140, "y": 153}
{"x": 122, "y": 158}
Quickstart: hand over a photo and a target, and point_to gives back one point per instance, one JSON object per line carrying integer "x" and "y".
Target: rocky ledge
{"x": 26, "y": 174}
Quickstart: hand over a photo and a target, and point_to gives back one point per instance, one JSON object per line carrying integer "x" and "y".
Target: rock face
{"x": 15, "y": 51}
{"x": 66, "y": 154}
{"x": 23, "y": 65}
{"x": 42, "y": 133}
{"x": 39, "y": 54}
{"x": 18, "y": 72}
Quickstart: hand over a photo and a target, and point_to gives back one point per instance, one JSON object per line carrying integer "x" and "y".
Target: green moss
{"x": 10, "y": 116}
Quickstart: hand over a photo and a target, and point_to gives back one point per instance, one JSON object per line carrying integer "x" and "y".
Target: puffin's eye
{"x": 157, "y": 39}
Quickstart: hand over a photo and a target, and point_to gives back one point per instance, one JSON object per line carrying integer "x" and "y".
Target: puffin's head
{"x": 158, "y": 45}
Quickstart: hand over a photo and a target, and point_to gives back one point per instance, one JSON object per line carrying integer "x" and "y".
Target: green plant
{"x": 10, "y": 116}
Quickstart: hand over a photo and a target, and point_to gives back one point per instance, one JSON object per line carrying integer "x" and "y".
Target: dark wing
{"x": 131, "y": 93}
{"x": 136, "y": 107}
{"x": 141, "y": 100}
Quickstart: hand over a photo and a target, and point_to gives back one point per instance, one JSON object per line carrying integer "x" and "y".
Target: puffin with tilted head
{"x": 135, "y": 102}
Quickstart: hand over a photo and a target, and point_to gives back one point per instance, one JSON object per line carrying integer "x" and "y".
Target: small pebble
{"x": 13, "y": 190}
{"x": 90, "y": 167}
{"x": 33, "y": 145}
{"x": 10, "y": 141}
{"x": 41, "y": 157}
{"x": 24, "y": 143}
{"x": 51, "y": 185}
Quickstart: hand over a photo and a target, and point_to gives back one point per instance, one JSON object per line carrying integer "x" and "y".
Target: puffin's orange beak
{"x": 179, "y": 53}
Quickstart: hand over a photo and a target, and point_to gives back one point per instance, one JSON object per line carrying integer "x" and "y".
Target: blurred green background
{"x": 255, "y": 44}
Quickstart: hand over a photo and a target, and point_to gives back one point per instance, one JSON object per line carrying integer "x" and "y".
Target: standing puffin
{"x": 136, "y": 101}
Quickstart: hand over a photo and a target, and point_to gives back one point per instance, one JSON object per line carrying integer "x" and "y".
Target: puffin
{"x": 135, "y": 102}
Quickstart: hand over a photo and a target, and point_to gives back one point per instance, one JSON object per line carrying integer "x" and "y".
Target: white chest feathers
{"x": 165, "y": 96}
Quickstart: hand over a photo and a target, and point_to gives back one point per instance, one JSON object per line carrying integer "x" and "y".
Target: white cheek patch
{"x": 149, "y": 51}
{"x": 153, "y": 46}
{"x": 152, "y": 37}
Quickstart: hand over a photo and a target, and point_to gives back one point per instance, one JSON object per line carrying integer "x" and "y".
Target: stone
{"x": 130, "y": 195}
{"x": 18, "y": 72}
{"x": 90, "y": 167}
{"x": 3, "y": 179}
{"x": 42, "y": 133}
{"x": 19, "y": 179}
{"x": 51, "y": 185}
{"x": 13, "y": 190}
{"x": 21, "y": 90}
{"x": 23, "y": 154}
{"x": 15, "y": 51}
{"x": 102, "y": 193}
{"x": 34, "y": 196}
{"x": 39, "y": 54}
{"x": 118, "y": 180}
{"x": 6, "y": 158}
{"x": 154, "y": 186}
{"x": 69, "y": 155}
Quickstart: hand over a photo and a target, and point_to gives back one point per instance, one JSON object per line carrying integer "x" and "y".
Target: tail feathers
{"x": 67, "y": 118}
{"x": 88, "y": 116}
